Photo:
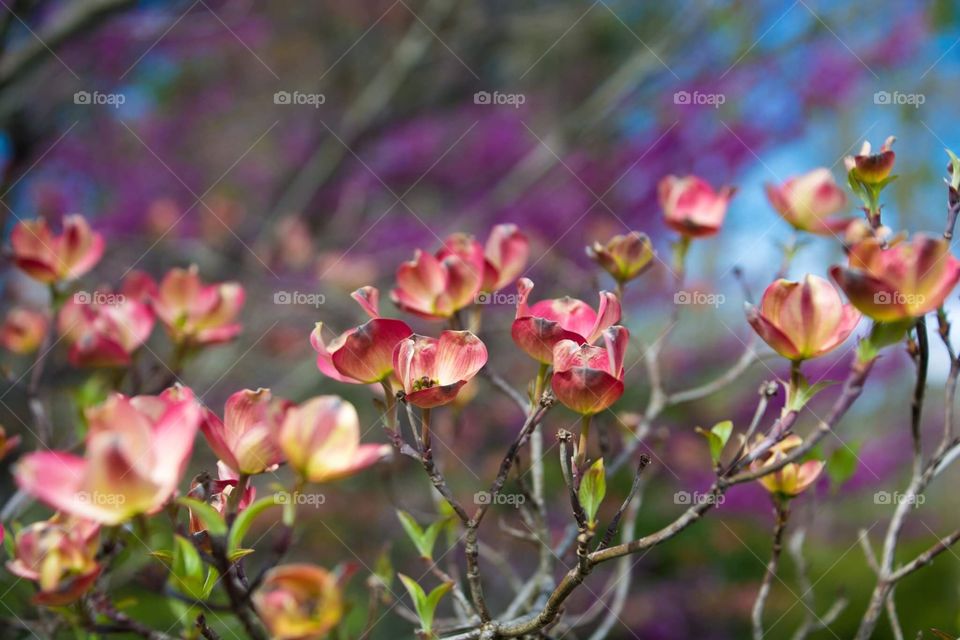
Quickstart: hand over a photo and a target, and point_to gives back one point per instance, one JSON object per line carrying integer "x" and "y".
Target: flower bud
{"x": 872, "y": 168}
{"x": 801, "y": 320}
{"x": 298, "y": 602}
{"x": 794, "y": 478}
{"x": 23, "y": 330}
{"x": 808, "y": 202}
{"x": 691, "y": 207}
{"x": 624, "y": 256}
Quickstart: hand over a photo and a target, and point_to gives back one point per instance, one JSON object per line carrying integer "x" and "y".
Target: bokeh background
{"x": 311, "y": 146}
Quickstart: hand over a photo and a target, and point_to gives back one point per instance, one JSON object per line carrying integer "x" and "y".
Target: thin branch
{"x": 780, "y": 525}
{"x": 615, "y": 521}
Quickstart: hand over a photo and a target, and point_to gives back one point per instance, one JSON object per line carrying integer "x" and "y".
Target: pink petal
{"x": 460, "y": 355}
{"x": 607, "y": 316}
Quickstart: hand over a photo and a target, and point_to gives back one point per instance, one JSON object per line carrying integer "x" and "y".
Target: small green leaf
{"x": 717, "y": 438}
{"x": 955, "y": 170}
{"x": 238, "y": 554}
{"x": 423, "y": 540}
{"x": 593, "y": 487}
{"x": 244, "y": 520}
{"x": 425, "y": 605}
{"x": 186, "y": 569}
{"x": 433, "y": 599}
{"x": 209, "y": 516}
{"x": 883, "y": 334}
{"x": 842, "y": 464}
{"x": 213, "y": 577}
{"x": 164, "y": 556}
{"x": 383, "y": 569}
{"x": 805, "y": 393}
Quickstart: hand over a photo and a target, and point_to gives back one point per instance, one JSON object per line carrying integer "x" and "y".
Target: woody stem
{"x": 425, "y": 429}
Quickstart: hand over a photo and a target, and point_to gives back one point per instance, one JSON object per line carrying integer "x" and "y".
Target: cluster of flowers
{"x": 137, "y": 448}
{"x": 105, "y": 328}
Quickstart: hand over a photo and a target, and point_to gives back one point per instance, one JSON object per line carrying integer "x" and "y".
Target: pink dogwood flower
{"x": 195, "y": 313}
{"x": 801, "y": 320}
{"x": 246, "y": 440}
{"x": 539, "y": 327}
{"x": 589, "y": 379}
{"x": 692, "y": 207}
{"x": 53, "y": 258}
{"x": 60, "y": 556}
{"x": 362, "y": 354}
{"x": 321, "y": 440}
{"x": 103, "y": 328}
{"x": 136, "y": 452}
{"x": 23, "y": 330}
{"x": 501, "y": 259}
{"x": 905, "y": 280}
{"x": 432, "y": 370}
{"x": 436, "y": 287}
{"x": 299, "y": 602}
{"x": 809, "y": 202}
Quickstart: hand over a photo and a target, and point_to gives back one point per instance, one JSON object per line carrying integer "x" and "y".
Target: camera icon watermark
{"x": 699, "y": 298}
{"x": 299, "y": 298}
{"x": 496, "y": 98}
{"x": 299, "y": 98}
{"x": 897, "y": 497}
{"x": 699, "y": 98}
{"x": 898, "y": 98}
{"x": 512, "y": 499}
{"x": 315, "y": 500}
{"x": 696, "y": 497}
{"x": 496, "y": 297}
{"x": 101, "y": 298}
{"x": 100, "y": 498}
{"x": 97, "y": 98}
{"x": 897, "y": 298}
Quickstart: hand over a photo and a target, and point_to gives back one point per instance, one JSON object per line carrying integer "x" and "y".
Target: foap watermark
{"x": 101, "y": 498}
{"x": 512, "y": 499}
{"x": 300, "y": 498}
{"x": 98, "y": 98}
{"x": 695, "y": 497}
{"x": 99, "y": 298}
{"x": 898, "y": 98}
{"x": 299, "y": 298}
{"x": 897, "y": 298}
{"x": 699, "y": 98}
{"x": 497, "y": 98}
{"x": 496, "y": 297}
{"x": 299, "y": 98}
{"x": 896, "y": 497}
{"x": 699, "y": 298}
